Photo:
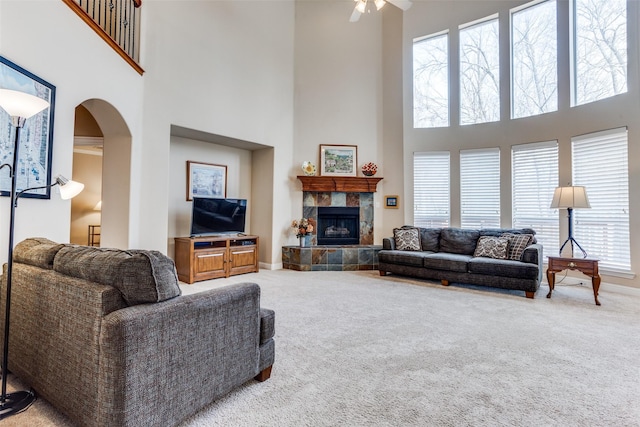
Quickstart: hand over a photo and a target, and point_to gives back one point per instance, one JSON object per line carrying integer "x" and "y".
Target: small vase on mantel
{"x": 305, "y": 241}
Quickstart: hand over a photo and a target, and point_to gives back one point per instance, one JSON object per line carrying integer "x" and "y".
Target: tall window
{"x": 431, "y": 189}
{"x": 534, "y": 177}
{"x": 480, "y": 188}
{"x": 534, "y": 74}
{"x": 599, "y": 49}
{"x": 479, "y": 73}
{"x": 600, "y": 163}
{"x": 431, "y": 81}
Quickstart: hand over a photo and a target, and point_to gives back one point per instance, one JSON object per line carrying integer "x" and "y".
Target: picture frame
{"x": 36, "y": 137}
{"x": 338, "y": 160}
{"x": 391, "y": 202}
{"x": 206, "y": 180}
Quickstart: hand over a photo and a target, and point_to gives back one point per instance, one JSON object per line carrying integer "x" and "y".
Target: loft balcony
{"x": 117, "y": 22}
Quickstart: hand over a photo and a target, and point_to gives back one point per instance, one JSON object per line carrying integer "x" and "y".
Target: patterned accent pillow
{"x": 517, "y": 244}
{"x": 407, "y": 239}
{"x": 492, "y": 247}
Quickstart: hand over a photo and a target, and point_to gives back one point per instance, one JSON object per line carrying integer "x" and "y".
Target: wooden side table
{"x": 586, "y": 266}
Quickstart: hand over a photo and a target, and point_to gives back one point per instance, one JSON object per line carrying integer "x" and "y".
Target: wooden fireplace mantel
{"x": 347, "y": 184}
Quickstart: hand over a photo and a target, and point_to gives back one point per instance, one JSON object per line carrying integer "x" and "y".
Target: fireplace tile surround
{"x": 336, "y": 192}
{"x": 311, "y": 200}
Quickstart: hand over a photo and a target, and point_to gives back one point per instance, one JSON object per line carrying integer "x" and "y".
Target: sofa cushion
{"x": 447, "y": 261}
{"x": 503, "y": 268}
{"x": 36, "y": 251}
{"x": 412, "y": 258}
{"x": 407, "y": 239}
{"x": 430, "y": 239}
{"x": 140, "y": 276}
{"x": 458, "y": 241}
{"x": 492, "y": 247}
{"x": 501, "y": 231}
{"x": 517, "y": 244}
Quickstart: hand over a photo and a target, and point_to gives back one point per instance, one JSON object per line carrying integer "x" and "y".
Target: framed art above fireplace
{"x": 338, "y": 160}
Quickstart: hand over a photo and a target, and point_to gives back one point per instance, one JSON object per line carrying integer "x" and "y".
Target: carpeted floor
{"x": 357, "y": 349}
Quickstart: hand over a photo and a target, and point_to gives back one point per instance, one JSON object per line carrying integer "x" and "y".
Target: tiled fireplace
{"x": 361, "y": 202}
{"x": 343, "y": 240}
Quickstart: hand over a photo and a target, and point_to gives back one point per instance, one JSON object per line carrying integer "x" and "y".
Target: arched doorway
{"x": 102, "y": 158}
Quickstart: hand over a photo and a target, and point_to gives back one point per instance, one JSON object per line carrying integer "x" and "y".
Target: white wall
{"x": 623, "y": 110}
{"x": 224, "y": 68}
{"x": 338, "y": 90}
{"x": 48, "y": 39}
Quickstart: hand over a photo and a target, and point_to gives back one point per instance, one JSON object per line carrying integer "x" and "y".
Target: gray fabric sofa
{"x": 106, "y": 337}
{"x": 447, "y": 255}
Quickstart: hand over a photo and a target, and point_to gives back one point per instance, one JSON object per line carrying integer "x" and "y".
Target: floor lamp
{"x": 21, "y": 106}
{"x": 570, "y": 198}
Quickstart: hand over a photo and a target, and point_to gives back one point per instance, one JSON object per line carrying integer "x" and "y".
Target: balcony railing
{"x": 117, "y": 22}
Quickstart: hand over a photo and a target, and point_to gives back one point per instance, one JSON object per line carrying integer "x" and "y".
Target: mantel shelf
{"x": 347, "y": 184}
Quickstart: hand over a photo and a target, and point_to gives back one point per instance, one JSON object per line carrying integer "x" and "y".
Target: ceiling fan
{"x": 361, "y": 6}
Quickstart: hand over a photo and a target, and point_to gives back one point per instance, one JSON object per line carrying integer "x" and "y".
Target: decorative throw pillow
{"x": 492, "y": 247}
{"x": 407, "y": 239}
{"x": 517, "y": 244}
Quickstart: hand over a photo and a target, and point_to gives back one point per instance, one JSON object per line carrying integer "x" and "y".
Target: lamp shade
{"x": 570, "y": 197}
{"x": 21, "y": 104}
{"x": 68, "y": 189}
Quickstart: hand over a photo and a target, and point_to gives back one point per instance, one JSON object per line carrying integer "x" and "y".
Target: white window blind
{"x": 600, "y": 164}
{"x": 431, "y": 185}
{"x": 480, "y": 188}
{"x": 534, "y": 179}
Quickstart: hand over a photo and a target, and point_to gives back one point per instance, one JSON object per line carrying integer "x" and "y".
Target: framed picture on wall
{"x": 391, "y": 202}
{"x": 206, "y": 180}
{"x": 338, "y": 160}
{"x": 36, "y": 137}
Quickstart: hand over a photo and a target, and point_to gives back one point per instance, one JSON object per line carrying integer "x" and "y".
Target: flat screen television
{"x": 217, "y": 216}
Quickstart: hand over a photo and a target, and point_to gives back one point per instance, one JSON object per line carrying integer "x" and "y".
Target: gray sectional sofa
{"x": 447, "y": 255}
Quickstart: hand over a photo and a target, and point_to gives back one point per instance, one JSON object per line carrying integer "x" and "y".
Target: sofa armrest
{"x": 173, "y": 358}
{"x": 388, "y": 243}
{"x": 533, "y": 255}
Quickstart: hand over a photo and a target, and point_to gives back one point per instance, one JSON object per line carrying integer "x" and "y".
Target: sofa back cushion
{"x": 141, "y": 276}
{"x": 430, "y": 239}
{"x": 36, "y": 251}
{"x": 458, "y": 241}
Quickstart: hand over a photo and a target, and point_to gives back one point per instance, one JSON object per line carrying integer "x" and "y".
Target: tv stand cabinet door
{"x": 209, "y": 264}
{"x": 243, "y": 259}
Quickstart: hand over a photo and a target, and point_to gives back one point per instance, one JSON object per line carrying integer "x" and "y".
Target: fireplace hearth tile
{"x": 331, "y": 258}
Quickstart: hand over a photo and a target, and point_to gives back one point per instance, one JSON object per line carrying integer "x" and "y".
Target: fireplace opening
{"x": 338, "y": 225}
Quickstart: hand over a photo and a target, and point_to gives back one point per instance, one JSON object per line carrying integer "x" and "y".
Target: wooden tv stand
{"x": 211, "y": 257}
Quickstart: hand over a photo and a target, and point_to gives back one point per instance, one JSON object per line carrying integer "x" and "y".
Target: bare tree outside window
{"x": 600, "y": 49}
{"x": 480, "y": 73}
{"x": 431, "y": 82}
{"x": 534, "y": 73}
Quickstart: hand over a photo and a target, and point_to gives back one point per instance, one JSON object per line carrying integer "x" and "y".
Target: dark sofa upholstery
{"x": 106, "y": 337}
{"x": 447, "y": 255}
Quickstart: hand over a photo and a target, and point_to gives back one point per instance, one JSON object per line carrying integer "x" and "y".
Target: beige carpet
{"x": 357, "y": 349}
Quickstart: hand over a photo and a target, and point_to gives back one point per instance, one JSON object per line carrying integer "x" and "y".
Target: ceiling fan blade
{"x": 355, "y": 16}
{"x": 402, "y": 4}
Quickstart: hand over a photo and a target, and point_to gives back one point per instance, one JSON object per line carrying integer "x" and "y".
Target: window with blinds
{"x": 480, "y": 188}
{"x": 600, "y": 164}
{"x": 431, "y": 185}
{"x": 534, "y": 178}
